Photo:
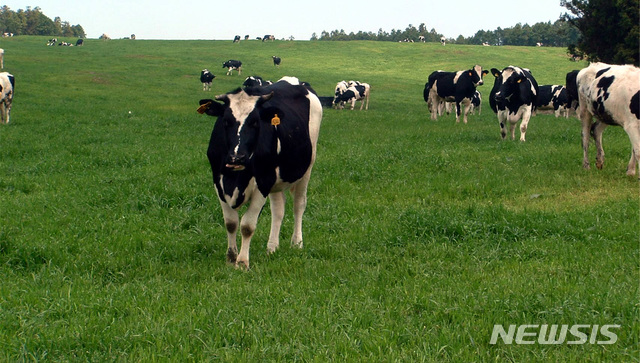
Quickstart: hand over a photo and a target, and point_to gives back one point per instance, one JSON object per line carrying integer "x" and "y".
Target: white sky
{"x": 206, "y": 19}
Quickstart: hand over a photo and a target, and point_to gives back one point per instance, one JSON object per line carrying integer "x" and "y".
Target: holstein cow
{"x": 611, "y": 94}
{"x": 206, "y": 77}
{"x": 476, "y": 103}
{"x": 255, "y": 81}
{"x": 513, "y": 98}
{"x": 276, "y": 61}
{"x": 231, "y": 65}
{"x": 7, "y": 86}
{"x": 268, "y": 37}
{"x": 572, "y": 89}
{"x": 553, "y": 97}
{"x": 354, "y": 91}
{"x": 236, "y": 39}
{"x": 263, "y": 143}
{"x": 458, "y": 87}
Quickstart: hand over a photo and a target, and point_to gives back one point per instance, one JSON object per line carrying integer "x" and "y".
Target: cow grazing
{"x": 276, "y": 61}
{"x": 7, "y": 87}
{"x": 236, "y": 39}
{"x": 206, "y": 77}
{"x": 352, "y": 91}
{"x": 52, "y": 42}
{"x": 255, "y": 81}
{"x": 458, "y": 87}
{"x": 263, "y": 143}
{"x": 553, "y": 97}
{"x": 231, "y": 65}
{"x": 79, "y": 42}
{"x": 268, "y": 37}
{"x": 611, "y": 94}
{"x": 513, "y": 98}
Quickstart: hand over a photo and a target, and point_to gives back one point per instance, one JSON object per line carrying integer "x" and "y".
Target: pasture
{"x": 419, "y": 235}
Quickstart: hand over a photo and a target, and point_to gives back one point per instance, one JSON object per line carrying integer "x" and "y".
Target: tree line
{"x": 33, "y": 22}
{"x": 557, "y": 34}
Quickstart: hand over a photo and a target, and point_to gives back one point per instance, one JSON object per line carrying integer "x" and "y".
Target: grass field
{"x": 420, "y": 235}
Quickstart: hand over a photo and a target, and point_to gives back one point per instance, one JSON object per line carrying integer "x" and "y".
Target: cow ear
{"x": 470, "y": 73}
{"x": 495, "y": 72}
{"x": 485, "y": 72}
{"x": 273, "y": 115}
{"x": 211, "y": 108}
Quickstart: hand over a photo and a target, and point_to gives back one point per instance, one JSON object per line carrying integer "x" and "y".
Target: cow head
{"x": 512, "y": 79}
{"x": 243, "y": 120}
{"x": 476, "y": 73}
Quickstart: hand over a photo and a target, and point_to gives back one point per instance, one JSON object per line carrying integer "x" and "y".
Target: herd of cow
{"x": 264, "y": 140}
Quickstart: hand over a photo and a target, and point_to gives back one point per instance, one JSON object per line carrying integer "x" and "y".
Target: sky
{"x": 207, "y": 19}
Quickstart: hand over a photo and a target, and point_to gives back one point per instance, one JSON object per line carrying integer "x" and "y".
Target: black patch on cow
{"x": 602, "y": 71}
{"x": 599, "y": 108}
{"x": 634, "y": 106}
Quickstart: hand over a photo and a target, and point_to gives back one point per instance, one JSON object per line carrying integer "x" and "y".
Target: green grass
{"x": 420, "y": 235}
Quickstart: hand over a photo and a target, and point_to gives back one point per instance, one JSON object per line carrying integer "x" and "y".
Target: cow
{"x": 458, "y": 87}
{"x": 553, "y": 97}
{"x": 443, "y": 40}
{"x": 231, "y": 65}
{"x": 513, "y": 97}
{"x": 79, "y": 42}
{"x": 611, "y": 94}
{"x": 7, "y": 87}
{"x": 206, "y": 77}
{"x": 268, "y": 37}
{"x": 352, "y": 91}
{"x": 255, "y": 81}
{"x": 276, "y": 61}
{"x": 263, "y": 143}
{"x": 476, "y": 103}
{"x": 572, "y": 89}
{"x": 52, "y": 42}
{"x": 236, "y": 39}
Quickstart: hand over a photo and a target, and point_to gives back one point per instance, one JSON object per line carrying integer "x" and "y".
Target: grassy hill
{"x": 420, "y": 235}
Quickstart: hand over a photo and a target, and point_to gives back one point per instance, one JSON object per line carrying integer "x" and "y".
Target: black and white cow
{"x": 231, "y": 65}
{"x": 611, "y": 94}
{"x": 476, "y": 103}
{"x": 513, "y": 98}
{"x": 255, "y": 81}
{"x": 79, "y": 42}
{"x": 263, "y": 143}
{"x": 236, "y": 39}
{"x": 206, "y": 77}
{"x": 352, "y": 91}
{"x": 7, "y": 87}
{"x": 572, "y": 89}
{"x": 553, "y": 97}
{"x": 276, "y": 61}
{"x": 458, "y": 87}
{"x": 268, "y": 37}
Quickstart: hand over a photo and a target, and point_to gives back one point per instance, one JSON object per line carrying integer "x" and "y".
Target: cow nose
{"x": 237, "y": 159}
{"x": 498, "y": 97}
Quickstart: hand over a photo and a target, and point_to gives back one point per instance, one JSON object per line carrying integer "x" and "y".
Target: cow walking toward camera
{"x": 206, "y": 77}
{"x": 7, "y": 85}
{"x": 611, "y": 94}
{"x": 513, "y": 98}
{"x": 263, "y": 143}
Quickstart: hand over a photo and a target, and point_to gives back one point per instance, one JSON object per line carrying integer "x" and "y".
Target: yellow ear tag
{"x": 203, "y": 108}
{"x": 275, "y": 121}
{"x": 520, "y": 81}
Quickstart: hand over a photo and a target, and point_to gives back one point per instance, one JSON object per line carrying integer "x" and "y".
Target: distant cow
{"x": 553, "y": 97}
{"x": 476, "y": 103}
{"x": 255, "y": 81}
{"x": 236, "y": 39}
{"x": 611, "y": 94}
{"x": 231, "y": 65}
{"x": 7, "y": 87}
{"x": 263, "y": 143}
{"x": 206, "y": 77}
{"x": 458, "y": 87}
{"x": 352, "y": 91}
{"x": 268, "y": 37}
{"x": 79, "y": 42}
{"x": 572, "y": 89}
{"x": 276, "y": 61}
{"x": 513, "y": 98}
{"x": 443, "y": 40}
{"x": 52, "y": 42}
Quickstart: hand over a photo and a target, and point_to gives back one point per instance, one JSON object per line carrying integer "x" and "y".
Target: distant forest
{"x": 33, "y": 22}
{"x": 558, "y": 34}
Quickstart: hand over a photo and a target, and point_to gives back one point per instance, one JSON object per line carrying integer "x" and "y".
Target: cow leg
{"x": 467, "y": 105}
{"x": 458, "y": 112}
{"x": 503, "y": 127}
{"x": 277, "y": 202}
{"x": 353, "y": 103}
{"x": 231, "y": 223}
{"x": 367, "y": 99}
{"x": 523, "y": 125}
{"x": 248, "y": 227}
{"x": 598, "y": 129}
{"x": 586, "y": 119}
{"x": 435, "y": 105}
{"x": 299, "y": 192}
{"x": 633, "y": 130}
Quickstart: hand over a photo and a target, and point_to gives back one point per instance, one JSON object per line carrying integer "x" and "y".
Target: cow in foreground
{"x": 7, "y": 85}
{"x": 206, "y": 77}
{"x": 611, "y": 94}
{"x": 458, "y": 87}
{"x": 513, "y": 98}
{"x": 231, "y": 65}
{"x": 263, "y": 143}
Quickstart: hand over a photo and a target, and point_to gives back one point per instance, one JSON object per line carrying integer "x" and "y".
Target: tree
{"x": 609, "y": 29}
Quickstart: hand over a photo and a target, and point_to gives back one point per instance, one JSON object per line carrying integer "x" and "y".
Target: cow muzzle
{"x": 236, "y": 162}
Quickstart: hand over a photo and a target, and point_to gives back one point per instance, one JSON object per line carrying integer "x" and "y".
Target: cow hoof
{"x": 232, "y": 255}
{"x": 242, "y": 265}
{"x": 296, "y": 244}
{"x": 271, "y": 248}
